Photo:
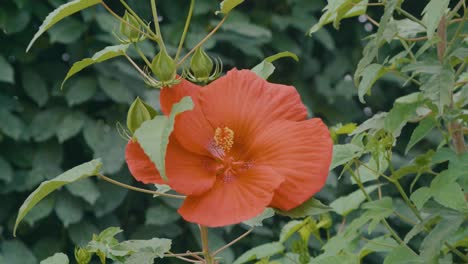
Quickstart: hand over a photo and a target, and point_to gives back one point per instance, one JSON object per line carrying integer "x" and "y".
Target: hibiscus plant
{"x": 234, "y": 148}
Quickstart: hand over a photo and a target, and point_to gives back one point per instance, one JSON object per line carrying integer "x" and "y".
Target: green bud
{"x": 201, "y": 64}
{"x": 128, "y": 31}
{"x": 164, "y": 67}
{"x": 82, "y": 256}
{"x": 138, "y": 113}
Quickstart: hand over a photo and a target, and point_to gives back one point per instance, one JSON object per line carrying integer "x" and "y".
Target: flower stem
{"x": 148, "y": 63}
{"x": 203, "y": 40}
{"x": 206, "y": 249}
{"x": 186, "y": 27}
{"x": 126, "y": 186}
{"x": 156, "y": 24}
{"x": 233, "y": 241}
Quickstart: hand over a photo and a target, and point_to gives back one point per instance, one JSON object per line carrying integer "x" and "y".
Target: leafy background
{"x": 45, "y": 130}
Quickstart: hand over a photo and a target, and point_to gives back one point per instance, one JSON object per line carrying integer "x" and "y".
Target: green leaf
{"x": 370, "y": 75}
{"x": 309, "y": 208}
{"x": 438, "y": 87}
{"x": 260, "y": 252}
{"x": 432, "y": 243}
{"x": 60, "y": 13}
{"x": 266, "y": 68}
{"x": 81, "y": 232}
{"x": 67, "y": 32}
{"x": 336, "y": 10}
{"x": 257, "y": 221}
{"x": 153, "y": 135}
{"x": 290, "y": 228}
{"x": 40, "y": 211}
{"x": 156, "y": 246}
{"x": 69, "y": 209}
{"x": 420, "y": 227}
{"x": 161, "y": 215}
{"x": 400, "y": 114}
{"x": 424, "y": 127}
{"x": 77, "y": 173}
{"x": 402, "y": 255}
{"x": 344, "y": 153}
{"x": 450, "y": 195}
{"x": 420, "y": 196}
{"x": 35, "y": 87}
{"x": 85, "y": 189}
{"x": 379, "y": 210}
{"x": 7, "y": 73}
{"x": 71, "y": 125}
{"x": 432, "y": 14}
{"x": 379, "y": 244}
{"x": 116, "y": 90}
{"x": 346, "y": 204}
{"x": 44, "y": 124}
{"x": 227, "y": 5}
{"x": 58, "y": 258}
{"x": 81, "y": 90}
{"x": 16, "y": 252}
{"x": 100, "y": 56}
{"x": 11, "y": 125}
{"x": 6, "y": 171}
{"x": 407, "y": 28}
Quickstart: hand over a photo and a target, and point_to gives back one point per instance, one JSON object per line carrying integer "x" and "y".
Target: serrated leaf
{"x": 257, "y": 221}
{"x": 369, "y": 75}
{"x": 153, "y": 135}
{"x": 308, "y": 208}
{"x": 60, "y": 13}
{"x": 438, "y": 87}
{"x": 57, "y": 258}
{"x": 6, "y": 71}
{"x": 227, "y": 5}
{"x": 100, "y": 56}
{"x": 77, "y": 173}
{"x": 81, "y": 90}
{"x": 260, "y": 252}
{"x": 344, "y": 153}
{"x": 346, "y": 204}
{"x": 35, "y": 87}
{"x": 424, "y": 127}
{"x": 156, "y": 246}
{"x": 432, "y": 14}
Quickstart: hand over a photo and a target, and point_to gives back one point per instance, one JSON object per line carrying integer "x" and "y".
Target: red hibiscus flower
{"x": 245, "y": 146}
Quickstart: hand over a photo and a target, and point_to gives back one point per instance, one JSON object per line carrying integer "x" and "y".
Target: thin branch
{"x": 186, "y": 27}
{"x": 233, "y": 241}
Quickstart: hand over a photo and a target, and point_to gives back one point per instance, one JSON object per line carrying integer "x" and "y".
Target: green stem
{"x": 206, "y": 249}
{"x": 457, "y": 252}
{"x": 233, "y": 242}
{"x": 134, "y": 14}
{"x": 407, "y": 200}
{"x": 459, "y": 29}
{"x": 148, "y": 63}
{"x": 407, "y": 48}
{"x": 410, "y": 16}
{"x": 186, "y": 27}
{"x": 126, "y": 186}
{"x": 203, "y": 40}
{"x": 156, "y": 24}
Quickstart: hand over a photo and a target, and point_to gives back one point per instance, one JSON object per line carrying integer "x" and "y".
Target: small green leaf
{"x": 420, "y": 196}
{"x": 308, "y": 208}
{"x": 57, "y": 258}
{"x": 399, "y": 116}
{"x": 69, "y": 209}
{"x": 156, "y": 246}
{"x": 60, "y": 13}
{"x": 259, "y": 252}
{"x": 6, "y": 171}
{"x": 424, "y": 127}
{"x": 370, "y": 75}
{"x": 402, "y": 255}
{"x": 432, "y": 14}
{"x": 257, "y": 221}
{"x": 71, "y": 125}
{"x": 67, "y": 32}
{"x": 346, "y": 204}
{"x": 80, "y": 90}
{"x": 77, "y": 173}
{"x": 103, "y": 55}
{"x": 344, "y": 153}
{"x": 266, "y": 68}
{"x": 7, "y": 73}
{"x": 116, "y": 90}
{"x": 153, "y": 135}
{"x": 290, "y": 228}
{"x": 85, "y": 189}
{"x": 35, "y": 87}
{"x": 227, "y": 5}
{"x": 438, "y": 87}
{"x": 11, "y": 125}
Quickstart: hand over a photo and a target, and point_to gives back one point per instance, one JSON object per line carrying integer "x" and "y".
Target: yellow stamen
{"x": 224, "y": 138}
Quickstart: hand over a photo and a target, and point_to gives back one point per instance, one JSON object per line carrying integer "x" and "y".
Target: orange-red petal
{"x": 139, "y": 164}
{"x": 299, "y": 151}
{"x": 189, "y": 173}
{"x": 246, "y": 104}
{"x": 233, "y": 201}
{"x": 191, "y": 128}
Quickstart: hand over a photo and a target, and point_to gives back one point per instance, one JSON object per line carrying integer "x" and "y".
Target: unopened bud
{"x": 130, "y": 28}
{"x": 138, "y": 113}
{"x": 201, "y": 64}
{"x": 164, "y": 67}
{"x": 82, "y": 256}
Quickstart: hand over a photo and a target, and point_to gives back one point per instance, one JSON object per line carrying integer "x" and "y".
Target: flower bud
{"x": 82, "y": 256}
{"x": 201, "y": 64}
{"x": 138, "y": 113}
{"x": 164, "y": 67}
{"x": 130, "y": 28}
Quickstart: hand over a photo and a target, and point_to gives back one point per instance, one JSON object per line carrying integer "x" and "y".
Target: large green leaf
{"x": 6, "y": 71}
{"x": 77, "y": 173}
{"x": 308, "y": 208}
{"x": 80, "y": 90}
{"x": 260, "y": 252}
{"x": 424, "y": 127}
{"x": 60, "y": 13}
{"x": 16, "y": 252}
{"x": 346, "y": 204}
{"x": 58, "y": 258}
{"x": 103, "y": 55}
{"x": 344, "y": 153}
{"x": 35, "y": 87}
{"x": 153, "y": 135}
{"x": 369, "y": 76}
{"x": 432, "y": 14}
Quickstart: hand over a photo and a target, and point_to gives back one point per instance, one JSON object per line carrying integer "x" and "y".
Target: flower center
{"x": 224, "y": 138}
